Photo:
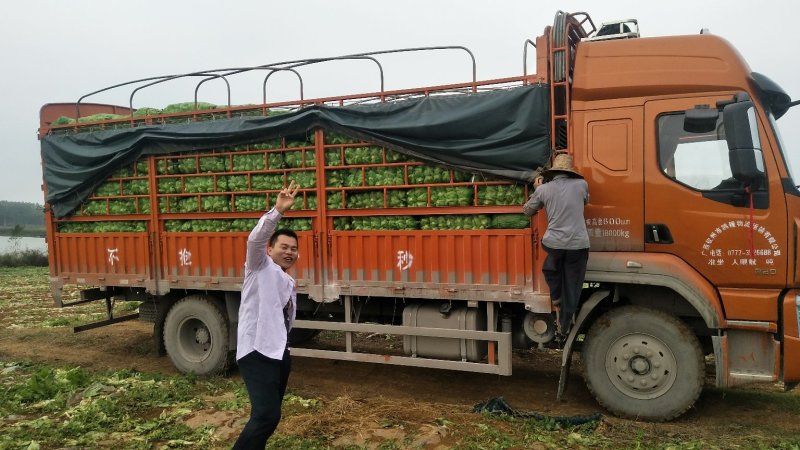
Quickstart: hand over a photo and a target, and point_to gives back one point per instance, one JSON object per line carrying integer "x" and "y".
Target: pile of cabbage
{"x": 357, "y": 176}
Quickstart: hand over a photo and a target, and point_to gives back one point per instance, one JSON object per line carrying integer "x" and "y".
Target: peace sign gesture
{"x": 285, "y": 199}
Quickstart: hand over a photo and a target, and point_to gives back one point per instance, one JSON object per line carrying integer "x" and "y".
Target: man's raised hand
{"x": 285, "y": 199}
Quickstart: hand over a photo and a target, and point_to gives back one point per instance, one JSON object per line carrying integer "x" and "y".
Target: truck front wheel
{"x": 196, "y": 336}
{"x": 642, "y": 363}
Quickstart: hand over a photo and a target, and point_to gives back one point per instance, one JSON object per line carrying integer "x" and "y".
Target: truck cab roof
{"x": 624, "y": 68}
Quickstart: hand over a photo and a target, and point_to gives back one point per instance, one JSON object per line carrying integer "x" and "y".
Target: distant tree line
{"x": 29, "y": 216}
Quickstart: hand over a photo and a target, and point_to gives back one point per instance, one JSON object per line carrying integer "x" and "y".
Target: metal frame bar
{"x": 503, "y": 340}
{"x": 283, "y": 65}
{"x": 299, "y": 78}
{"x": 402, "y": 361}
{"x": 91, "y": 295}
{"x": 102, "y": 323}
{"x": 213, "y": 77}
{"x": 525, "y": 56}
{"x": 348, "y": 318}
{"x": 78, "y": 302}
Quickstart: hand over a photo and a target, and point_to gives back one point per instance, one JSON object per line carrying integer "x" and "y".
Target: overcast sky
{"x": 57, "y": 51}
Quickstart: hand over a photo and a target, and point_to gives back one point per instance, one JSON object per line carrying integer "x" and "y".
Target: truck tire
{"x": 299, "y": 336}
{"x": 196, "y": 336}
{"x": 641, "y": 363}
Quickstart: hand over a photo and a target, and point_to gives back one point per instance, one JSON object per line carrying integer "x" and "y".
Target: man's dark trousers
{"x": 266, "y": 380}
{"x": 564, "y": 271}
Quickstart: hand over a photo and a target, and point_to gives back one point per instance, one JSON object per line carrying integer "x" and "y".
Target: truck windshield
{"x": 790, "y": 158}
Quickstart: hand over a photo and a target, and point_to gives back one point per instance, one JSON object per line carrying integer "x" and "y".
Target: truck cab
{"x": 693, "y": 213}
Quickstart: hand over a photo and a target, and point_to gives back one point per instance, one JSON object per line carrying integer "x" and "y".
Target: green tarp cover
{"x": 502, "y": 133}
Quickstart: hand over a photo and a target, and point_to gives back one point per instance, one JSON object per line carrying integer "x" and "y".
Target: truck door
{"x": 612, "y": 165}
{"x": 735, "y": 236}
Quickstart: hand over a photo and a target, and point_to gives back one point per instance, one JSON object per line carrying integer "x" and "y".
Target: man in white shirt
{"x": 266, "y": 313}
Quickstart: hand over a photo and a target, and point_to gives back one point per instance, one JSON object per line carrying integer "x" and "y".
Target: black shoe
{"x": 560, "y": 340}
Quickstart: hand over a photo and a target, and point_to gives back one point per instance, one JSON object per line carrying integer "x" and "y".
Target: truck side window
{"x": 697, "y": 160}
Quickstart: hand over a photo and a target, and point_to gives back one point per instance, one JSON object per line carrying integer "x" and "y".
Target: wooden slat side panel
{"x": 209, "y": 257}
{"x": 500, "y": 258}
{"x": 93, "y": 255}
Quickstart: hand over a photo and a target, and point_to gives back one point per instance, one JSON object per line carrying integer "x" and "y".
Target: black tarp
{"x": 502, "y": 133}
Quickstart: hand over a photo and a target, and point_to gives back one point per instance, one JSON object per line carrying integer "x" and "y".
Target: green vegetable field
{"x": 110, "y": 389}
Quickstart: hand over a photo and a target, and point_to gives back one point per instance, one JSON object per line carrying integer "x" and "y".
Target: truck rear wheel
{"x": 642, "y": 363}
{"x": 300, "y": 336}
{"x": 196, "y": 336}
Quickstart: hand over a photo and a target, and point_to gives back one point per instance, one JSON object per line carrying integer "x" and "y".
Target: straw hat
{"x": 562, "y": 163}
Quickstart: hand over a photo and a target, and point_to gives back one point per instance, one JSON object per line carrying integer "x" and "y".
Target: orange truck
{"x": 409, "y": 218}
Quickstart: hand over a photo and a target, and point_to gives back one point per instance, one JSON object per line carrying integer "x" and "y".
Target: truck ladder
{"x": 566, "y": 33}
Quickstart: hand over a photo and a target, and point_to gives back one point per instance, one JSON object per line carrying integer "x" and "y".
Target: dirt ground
{"x": 420, "y": 392}
{"x": 129, "y": 345}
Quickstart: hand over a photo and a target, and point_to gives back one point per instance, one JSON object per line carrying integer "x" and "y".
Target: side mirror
{"x": 700, "y": 119}
{"x": 744, "y": 145}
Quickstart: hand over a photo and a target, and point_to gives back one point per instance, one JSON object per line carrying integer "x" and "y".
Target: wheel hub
{"x": 202, "y": 336}
{"x": 194, "y": 339}
{"x": 641, "y": 366}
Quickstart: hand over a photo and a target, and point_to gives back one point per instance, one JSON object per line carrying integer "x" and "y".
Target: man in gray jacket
{"x": 563, "y": 192}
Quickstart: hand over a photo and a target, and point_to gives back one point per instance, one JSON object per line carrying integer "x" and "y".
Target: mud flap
{"x": 566, "y": 356}
{"x": 791, "y": 339}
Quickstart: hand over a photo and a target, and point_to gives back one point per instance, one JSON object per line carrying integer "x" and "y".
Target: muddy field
{"x": 332, "y": 404}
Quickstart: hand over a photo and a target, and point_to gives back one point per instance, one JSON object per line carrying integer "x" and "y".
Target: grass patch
{"x": 56, "y": 407}
{"x": 68, "y": 406}
{"x": 26, "y": 302}
{"x": 753, "y": 399}
{"x": 281, "y": 442}
{"x": 53, "y": 406}
{"x": 506, "y": 432}
{"x": 60, "y": 322}
{"x": 24, "y": 258}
